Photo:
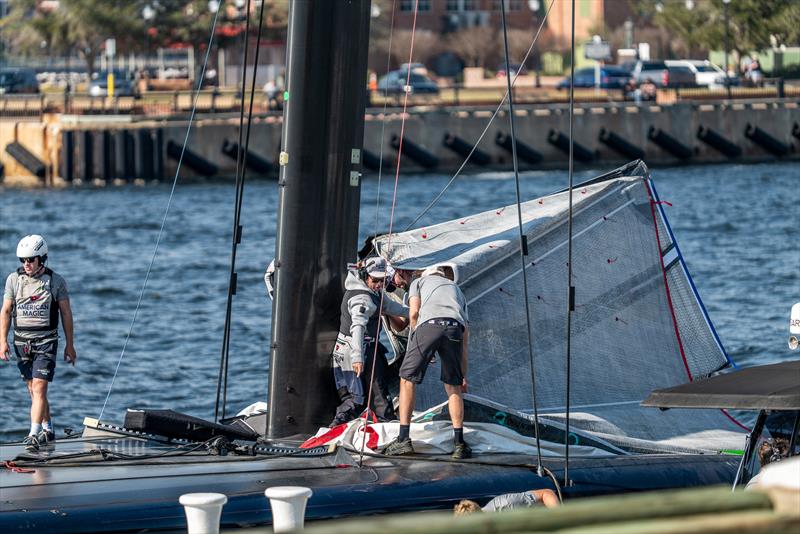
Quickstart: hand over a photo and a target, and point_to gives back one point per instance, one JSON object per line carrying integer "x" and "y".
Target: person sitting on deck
{"x": 772, "y": 450}
{"x": 357, "y": 344}
{"x": 510, "y": 501}
{"x": 439, "y": 323}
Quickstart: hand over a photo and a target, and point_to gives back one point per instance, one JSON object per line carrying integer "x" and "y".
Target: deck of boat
{"x": 98, "y": 484}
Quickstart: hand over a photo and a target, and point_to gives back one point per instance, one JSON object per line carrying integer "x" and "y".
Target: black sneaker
{"x": 46, "y": 437}
{"x": 31, "y": 443}
{"x": 399, "y": 447}
{"x": 462, "y": 451}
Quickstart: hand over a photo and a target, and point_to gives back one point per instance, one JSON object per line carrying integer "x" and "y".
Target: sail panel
{"x": 629, "y": 334}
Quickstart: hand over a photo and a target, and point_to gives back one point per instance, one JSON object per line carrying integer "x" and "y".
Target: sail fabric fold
{"x": 638, "y": 324}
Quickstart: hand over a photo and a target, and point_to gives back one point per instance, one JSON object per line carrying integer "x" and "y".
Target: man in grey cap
{"x": 438, "y": 314}
{"x": 357, "y": 344}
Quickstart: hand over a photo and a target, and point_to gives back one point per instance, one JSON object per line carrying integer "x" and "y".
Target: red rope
{"x": 391, "y": 213}
{"x": 666, "y": 283}
{"x": 11, "y": 466}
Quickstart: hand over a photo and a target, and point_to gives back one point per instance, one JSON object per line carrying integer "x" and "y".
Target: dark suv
{"x": 18, "y": 81}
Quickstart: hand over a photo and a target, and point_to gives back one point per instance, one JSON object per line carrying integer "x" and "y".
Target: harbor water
{"x": 737, "y": 226}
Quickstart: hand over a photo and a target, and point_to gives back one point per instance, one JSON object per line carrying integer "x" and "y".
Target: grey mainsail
{"x": 638, "y": 325}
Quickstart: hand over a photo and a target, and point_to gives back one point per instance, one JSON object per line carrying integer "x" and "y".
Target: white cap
{"x": 375, "y": 267}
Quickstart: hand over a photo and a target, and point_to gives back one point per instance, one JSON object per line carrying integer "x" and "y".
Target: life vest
{"x": 34, "y": 309}
{"x": 346, "y": 321}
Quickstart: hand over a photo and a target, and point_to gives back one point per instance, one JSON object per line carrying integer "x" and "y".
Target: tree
{"x": 753, "y": 24}
{"x": 476, "y": 46}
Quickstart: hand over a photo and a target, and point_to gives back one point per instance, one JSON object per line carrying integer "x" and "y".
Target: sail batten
{"x": 625, "y": 341}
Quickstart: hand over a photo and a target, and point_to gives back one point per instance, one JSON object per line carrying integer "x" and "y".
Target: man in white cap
{"x": 35, "y": 296}
{"x": 357, "y": 344}
{"x": 439, "y": 324}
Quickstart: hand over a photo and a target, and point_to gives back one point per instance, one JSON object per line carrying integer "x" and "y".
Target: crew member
{"x": 34, "y": 296}
{"x": 357, "y": 342}
{"x": 438, "y": 314}
{"x": 510, "y": 501}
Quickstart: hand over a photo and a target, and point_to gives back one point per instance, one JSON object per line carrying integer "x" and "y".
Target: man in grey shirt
{"x": 438, "y": 315}
{"x": 510, "y": 501}
{"x": 35, "y": 296}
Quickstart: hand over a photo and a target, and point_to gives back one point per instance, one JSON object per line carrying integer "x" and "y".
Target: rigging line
{"x": 486, "y": 129}
{"x": 383, "y": 125}
{"x": 166, "y": 211}
{"x": 391, "y": 221}
{"x": 241, "y": 153}
{"x": 244, "y": 173}
{"x": 570, "y": 288}
{"x": 236, "y": 238}
{"x": 523, "y": 241}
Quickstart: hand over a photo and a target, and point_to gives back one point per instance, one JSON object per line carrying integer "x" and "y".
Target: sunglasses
{"x": 28, "y": 260}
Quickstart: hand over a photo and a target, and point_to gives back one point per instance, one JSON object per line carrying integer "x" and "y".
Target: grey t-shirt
{"x": 440, "y": 298}
{"x": 33, "y": 298}
{"x": 510, "y": 501}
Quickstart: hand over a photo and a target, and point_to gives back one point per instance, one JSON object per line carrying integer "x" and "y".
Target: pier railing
{"x": 170, "y": 103}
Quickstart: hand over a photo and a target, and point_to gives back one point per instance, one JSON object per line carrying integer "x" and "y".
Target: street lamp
{"x": 725, "y": 67}
{"x": 148, "y": 14}
{"x": 534, "y": 6}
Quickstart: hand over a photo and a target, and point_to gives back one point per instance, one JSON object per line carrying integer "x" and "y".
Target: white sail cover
{"x": 638, "y": 323}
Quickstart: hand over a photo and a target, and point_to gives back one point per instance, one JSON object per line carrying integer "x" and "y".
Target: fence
{"x": 166, "y": 103}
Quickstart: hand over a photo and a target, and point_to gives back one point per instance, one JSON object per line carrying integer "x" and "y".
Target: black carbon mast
{"x": 323, "y": 131}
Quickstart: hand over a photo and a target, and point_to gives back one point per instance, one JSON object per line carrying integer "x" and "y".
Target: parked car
{"x": 124, "y": 84}
{"x": 611, "y": 77}
{"x": 18, "y": 80}
{"x": 706, "y": 73}
{"x": 662, "y": 75}
{"x": 395, "y": 81}
{"x": 501, "y": 70}
{"x": 680, "y": 76}
{"x": 416, "y": 68}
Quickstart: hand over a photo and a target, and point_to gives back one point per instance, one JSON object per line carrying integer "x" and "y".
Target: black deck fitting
{"x": 259, "y": 164}
{"x": 668, "y": 143}
{"x": 719, "y": 143}
{"x": 766, "y": 141}
{"x": 26, "y": 158}
{"x": 67, "y": 159}
{"x": 463, "y": 149}
{"x": 373, "y": 162}
{"x": 418, "y": 154}
{"x": 561, "y": 142}
{"x": 525, "y": 152}
{"x": 107, "y": 155}
{"x": 86, "y": 155}
{"x": 144, "y": 154}
{"x": 620, "y": 145}
{"x": 124, "y": 155}
{"x": 191, "y": 159}
{"x": 796, "y": 130}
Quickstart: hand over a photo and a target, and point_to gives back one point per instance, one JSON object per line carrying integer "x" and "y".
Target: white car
{"x": 706, "y": 73}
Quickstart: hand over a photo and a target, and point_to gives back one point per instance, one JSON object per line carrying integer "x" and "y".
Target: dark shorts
{"x": 429, "y": 339}
{"x": 36, "y": 360}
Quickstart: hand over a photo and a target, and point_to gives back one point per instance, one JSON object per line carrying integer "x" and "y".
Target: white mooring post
{"x": 203, "y": 511}
{"x": 288, "y": 505}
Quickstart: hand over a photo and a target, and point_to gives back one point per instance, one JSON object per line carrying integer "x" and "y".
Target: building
{"x": 445, "y": 16}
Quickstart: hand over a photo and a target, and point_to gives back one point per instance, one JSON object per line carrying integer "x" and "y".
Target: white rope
{"x": 166, "y": 212}
{"x": 488, "y": 124}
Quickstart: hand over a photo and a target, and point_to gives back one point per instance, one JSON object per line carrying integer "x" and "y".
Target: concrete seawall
{"x": 128, "y": 148}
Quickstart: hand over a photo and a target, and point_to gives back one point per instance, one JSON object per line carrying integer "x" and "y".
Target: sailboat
{"x": 639, "y": 326}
